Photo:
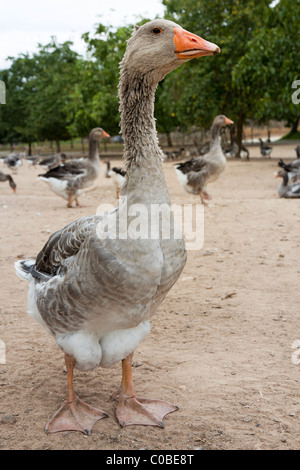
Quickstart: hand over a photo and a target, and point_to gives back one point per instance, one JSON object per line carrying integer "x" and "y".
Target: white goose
{"x": 68, "y": 179}
{"x": 96, "y": 292}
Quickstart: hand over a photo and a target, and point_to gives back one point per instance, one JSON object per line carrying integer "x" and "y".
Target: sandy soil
{"x": 221, "y": 343}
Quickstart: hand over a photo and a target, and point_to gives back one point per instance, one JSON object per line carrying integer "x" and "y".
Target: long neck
{"x": 215, "y": 136}
{"x": 93, "y": 150}
{"x": 142, "y": 154}
{"x": 285, "y": 179}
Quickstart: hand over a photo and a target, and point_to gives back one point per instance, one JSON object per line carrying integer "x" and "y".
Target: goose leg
{"x": 138, "y": 411}
{"x": 202, "y": 197}
{"x": 74, "y": 414}
{"x": 70, "y": 200}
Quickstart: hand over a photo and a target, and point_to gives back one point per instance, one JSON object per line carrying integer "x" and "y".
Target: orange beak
{"x": 189, "y": 45}
{"x": 105, "y": 134}
{"x": 228, "y": 121}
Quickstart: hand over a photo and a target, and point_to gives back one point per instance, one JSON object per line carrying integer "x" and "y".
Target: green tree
{"x": 38, "y": 88}
{"x": 56, "y": 64}
{"x": 206, "y": 87}
{"x": 16, "y": 121}
{"x": 271, "y": 65}
{"x": 98, "y": 88}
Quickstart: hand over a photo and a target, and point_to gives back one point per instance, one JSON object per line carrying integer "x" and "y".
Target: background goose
{"x": 96, "y": 292}
{"x": 117, "y": 176}
{"x": 292, "y": 169}
{"x": 53, "y": 160}
{"x": 12, "y": 184}
{"x": 232, "y": 151}
{"x": 265, "y": 149}
{"x": 195, "y": 174}
{"x": 33, "y": 160}
{"x": 68, "y": 179}
{"x": 13, "y": 161}
{"x": 297, "y": 150}
{"x": 285, "y": 189}
{"x": 245, "y": 152}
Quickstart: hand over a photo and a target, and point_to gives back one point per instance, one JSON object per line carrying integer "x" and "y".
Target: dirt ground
{"x": 221, "y": 345}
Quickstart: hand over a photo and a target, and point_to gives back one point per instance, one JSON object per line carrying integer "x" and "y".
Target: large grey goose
{"x": 97, "y": 293}
{"x": 70, "y": 178}
{"x": 195, "y": 174}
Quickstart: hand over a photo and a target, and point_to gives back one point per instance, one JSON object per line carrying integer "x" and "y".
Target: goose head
{"x": 160, "y": 46}
{"x": 98, "y": 133}
{"x": 222, "y": 121}
{"x": 282, "y": 174}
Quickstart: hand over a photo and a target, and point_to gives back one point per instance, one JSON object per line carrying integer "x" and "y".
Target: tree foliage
{"x": 271, "y": 65}
{"x": 56, "y": 94}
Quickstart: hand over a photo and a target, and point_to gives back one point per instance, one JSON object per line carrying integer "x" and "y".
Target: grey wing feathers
{"x": 64, "y": 244}
{"x": 197, "y": 164}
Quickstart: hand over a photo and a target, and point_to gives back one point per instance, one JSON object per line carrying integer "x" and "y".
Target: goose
{"x": 200, "y": 150}
{"x": 175, "y": 154}
{"x": 292, "y": 169}
{"x": 285, "y": 189}
{"x": 118, "y": 176}
{"x": 53, "y": 160}
{"x": 12, "y": 184}
{"x": 232, "y": 151}
{"x": 245, "y": 154}
{"x": 94, "y": 291}
{"x": 265, "y": 149}
{"x": 13, "y": 161}
{"x": 195, "y": 174}
{"x": 68, "y": 179}
{"x": 33, "y": 160}
{"x": 297, "y": 150}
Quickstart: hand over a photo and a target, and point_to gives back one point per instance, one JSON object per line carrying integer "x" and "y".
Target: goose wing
{"x": 194, "y": 165}
{"x": 63, "y": 245}
{"x": 67, "y": 170}
{"x": 295, "y": 189}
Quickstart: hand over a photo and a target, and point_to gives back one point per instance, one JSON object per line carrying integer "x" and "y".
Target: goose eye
{"x": 157, "y": 30}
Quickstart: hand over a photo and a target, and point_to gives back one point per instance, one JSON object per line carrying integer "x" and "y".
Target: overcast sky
{"x": 24, "y": 24}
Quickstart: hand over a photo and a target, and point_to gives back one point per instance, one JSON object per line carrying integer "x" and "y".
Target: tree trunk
{"x": 29, "y": 149}
{"x": 239, "y": 133}
{"x": 295, "y": 125}
{"x": 169, "y": 140}
{"x": 57, "y": 146}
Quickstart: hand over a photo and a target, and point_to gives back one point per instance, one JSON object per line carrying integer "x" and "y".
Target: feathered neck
{"x": 215, "y": 134}
{"x": 137, "y": 95}
{"x": 93, "y": 150}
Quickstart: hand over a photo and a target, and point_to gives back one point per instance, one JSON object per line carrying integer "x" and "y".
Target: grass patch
{"x": 291, "y": 136}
